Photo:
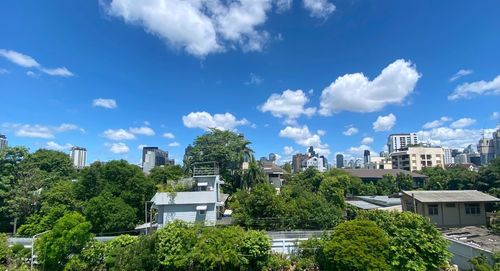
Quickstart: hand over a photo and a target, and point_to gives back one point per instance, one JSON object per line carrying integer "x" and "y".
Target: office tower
{"x": 486, "y": 150}
{"x": 398, "y": 142}
{"x": 496, "y": 143}
{"x": 461, "y": 159}
{"x": 298, "y": 162}
{"x": 78, "y": 157}
{"x": 154, "y": 157}
{"x": 366, "y": 157}
{"x": 448, "y": 158}
{"x": 3, "y": 141}
{"x": 340, "y": 161}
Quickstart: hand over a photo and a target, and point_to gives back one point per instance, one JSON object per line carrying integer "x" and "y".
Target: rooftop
{"x": 475, "y": 237}
{"x": 271, "y": 168}
{"x": 194, "y": 197}
{"x": 379, "y": 173}
{"x": 451, "y": 196}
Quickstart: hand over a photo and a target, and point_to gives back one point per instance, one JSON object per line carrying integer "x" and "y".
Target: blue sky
{"x": 339, "y": 75}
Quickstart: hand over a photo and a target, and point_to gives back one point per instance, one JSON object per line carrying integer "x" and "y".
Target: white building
{"x": 416, "y": 158}
{"x": 202, "y": 205}
{"x": 398, "y": 142}
{"x": 377, "y": 162}
{"x": 78, "y": 157}
{"x": 461, "y": 159}
{"x": 317, "y": 163}
{"x": 448, "y": 158}
{"x": 486, "y": 150}
{"x": 3, "y": 141}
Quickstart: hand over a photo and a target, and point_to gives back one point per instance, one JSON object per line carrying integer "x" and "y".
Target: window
{"x": 202, "y": 212}
{"x": 433, "y": 209}
{"x": 472, "y": 208}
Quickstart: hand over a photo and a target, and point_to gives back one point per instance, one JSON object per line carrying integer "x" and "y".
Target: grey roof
{"x": 271, "y": 168}
{"x": 362, "y": 204}
{"x": 475, "y": 237}
{"x": 195, "y": 197}
{"x": 451, "y": 196}
{"x": 379, "y": 173}
{"x": 381, "y": 200}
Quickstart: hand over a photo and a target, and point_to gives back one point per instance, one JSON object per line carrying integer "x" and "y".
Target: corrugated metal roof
{"x": 362, "y": 204}
{"x": 379, "y": 173}
{"x": 451, "y": 196}
{"x": 195, "y": 197}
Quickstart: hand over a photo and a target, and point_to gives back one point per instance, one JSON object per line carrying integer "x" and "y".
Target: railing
{"x": 205, "y": 169}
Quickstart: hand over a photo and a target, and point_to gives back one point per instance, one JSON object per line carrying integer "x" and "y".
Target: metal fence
{"x": 205, "y": 169}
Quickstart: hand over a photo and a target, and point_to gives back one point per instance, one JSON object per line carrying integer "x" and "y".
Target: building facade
{"x": 486, "y": 150}
{"x": 448, "y": 158}
{"x": 496, "y": 143}
{"x": 3, "y": 141}
{"x": 416, "y": 158}
{"x": 398, "y": 142}
{"x": 340, "y": 160}
{"x": 78, "y": 157}
{"x": 154, "y": 157}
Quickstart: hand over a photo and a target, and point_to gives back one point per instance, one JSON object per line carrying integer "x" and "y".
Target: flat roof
{"x": 362, "y": 204}
{"x": 475, "y": 237}
{"x": 381, "y": 200}
{"x": 451, "y": 196}
{"x": 193, "y": 197}
{"x": 379, "y": 173}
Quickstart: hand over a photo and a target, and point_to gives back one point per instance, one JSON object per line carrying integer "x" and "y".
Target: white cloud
{"x": 118, "y": 148}
{"x": 321, "y": 132}
{"x": 495, "y": 116}
{"x": 350, "y": 131}
{"x": 168, "y": 135}
{"x": 19, "y": 59}
{"x": 384, "y": 123}
{"x": 436, "y": 123}
{"x": 32, "y": 74}
{"x": 27, "y": 61}
{"x": 462, "y": 123}
{"x": 106, "y": 103}
{"x": 63, "y": 71}
{"x": 290, "y": 105}
{"x": 51, "y": 145}
{"x": 174, "y": 144}
{"x": 460, "y": 73}
{"x": 39, "y": 131}
{"x": 367, "y": 140}
{"x": 469, "y": 90}
{"x": 319, "y": 8}
{"x": 141, "y": 146}
{"x": 356, "y": 93}
{"x": 453, "y": 138}
{"x": 283, "y": 5}
{"x": 303, "y": 137}
{"x": 254, "y": 80}
{"x": 358, "y": 151}
{"x": 205, "y": 121}
{"x": 119, "y": 134}
{"x": 288, "y": 150}
{"x": 144, "y": 130}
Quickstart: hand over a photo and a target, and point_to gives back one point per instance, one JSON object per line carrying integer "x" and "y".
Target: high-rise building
{"x": 496, "y": 143}
{"x": 448, "y": 158}
{"x": 78, "y": 157}
{"x": 366, "y": 156}
{"x": 340, "y": 160}
{"x": 486, "y": 150}
{"x": 461, "y": 159}
{"x": 154, "y": 157}
{"x": 3, "y": 141}
{"x": 398, "y": 142}
{"x": 416, "y": 158}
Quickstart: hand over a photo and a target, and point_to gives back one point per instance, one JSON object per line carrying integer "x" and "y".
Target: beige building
{"x": 449, "y": 208}
{"x": 378, "y": 162}
{"x": 416, "y": 158}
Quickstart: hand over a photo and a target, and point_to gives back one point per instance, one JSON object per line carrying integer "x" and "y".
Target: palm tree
{"x": 252, "y": 176}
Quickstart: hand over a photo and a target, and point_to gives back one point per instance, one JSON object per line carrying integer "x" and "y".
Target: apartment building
{"x": 416, "y": 158}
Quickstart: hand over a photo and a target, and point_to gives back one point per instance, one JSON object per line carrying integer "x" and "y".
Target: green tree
{"x": 387, "y": 185}
{"x": 109, "y": 214}
{"x": 66, "y": 240}
{"x": 287, "y": 167}
{"x": 333, "y": 193}
{"x": 160, "y": 175}
{"x": 52, "y": 162}
{"x": 438, "y": 178}
{"x": 175, "y": 245}
{"x": 140, "y": 255}
{"x": 252, "y": 176}
{"x": 415, "y": 243}
{"x": 357, "y": 245}
{"x": 404, "y": 181}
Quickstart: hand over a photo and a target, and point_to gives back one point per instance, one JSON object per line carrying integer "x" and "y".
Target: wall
{"x": 463, "y": 253}
{"x": 187, "y": 213}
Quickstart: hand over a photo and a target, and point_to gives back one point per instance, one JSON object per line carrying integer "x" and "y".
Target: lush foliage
{"x": 165, "y": 174}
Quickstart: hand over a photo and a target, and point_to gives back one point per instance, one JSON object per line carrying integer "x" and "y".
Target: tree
{"x": 175, "y": 244}
{"x": 287, "y": 167}
{"x": 160, "y": 175}
{"x": 252, "y": 176}
{"x": 415, "y": 243}
{"x": 52, "y": 162}
{"x": 140, "y": 255}
{"x": 387, "y": 185}
{"x": 357, "y": 245}
{"x": 109, "y": 214}
{"x": 66, "y": 240}
{"x": 404, "y": 181}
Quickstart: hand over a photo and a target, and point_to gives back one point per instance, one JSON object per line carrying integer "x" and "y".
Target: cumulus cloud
{"x": 144, "y": 130}
{"x": 118, "y": 134}
{"x": 303, "y": 137}
{"x": 350, "y": 130}
{"x": 288, "y": 150}
{"x": 359, "y": 150}
{"x": 321, "y": 132}
{"x": 436, "y": 123}
{"x": 462, "y": 123}
{"x": 51, "y": 145}
{"x": 453, "y": 138}
{"x": 27, "y": 61}
{"x": 289, "y": 105}
{"x": 356, "y": 93}
{"x": 367, "y": 140}
{"x": 39, "y": 131}
{"x": 205, "y": 121}
{"x": 384, "y": 123}
{"x": 106, "y": 103}
{"x": 168, "y": 135}
{"x": 283, "y": 5}
{"x": 459, "y": 74}
{"x": 469, "y": 90}
{"x": 118, "y": 148}
{"x": 319, "y": 8}
{"x": 174, "y": 144}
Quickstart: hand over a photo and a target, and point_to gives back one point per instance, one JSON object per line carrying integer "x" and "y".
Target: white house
{"x": 202, "y": 205}
{"x": 316, "y": 162}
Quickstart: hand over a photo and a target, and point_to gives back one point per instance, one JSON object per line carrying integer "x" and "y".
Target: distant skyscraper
{"x": 366, "y": 157}
{"x": 3, "y": 141}
{"x": 78, "y": 156}
{"x": 340, "y": 160}
{"x": 398, "y": 142}
{"x": 154, "y": 157}
{"x": 496, "y": 143}
{"x": 486, "y": 150}
{"x": 448, "y": 158}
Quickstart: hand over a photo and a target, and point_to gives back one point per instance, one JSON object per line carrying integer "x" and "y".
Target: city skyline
{"x": 113, "y": 79}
